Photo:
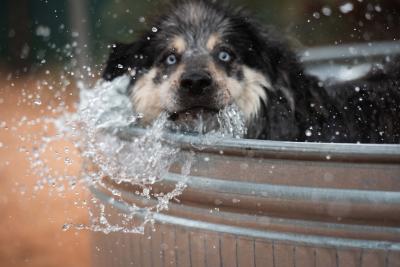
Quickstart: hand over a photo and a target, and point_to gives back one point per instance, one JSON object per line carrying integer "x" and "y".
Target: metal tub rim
{"x": 289, "y": 237}
{"x": 333, "y": 152}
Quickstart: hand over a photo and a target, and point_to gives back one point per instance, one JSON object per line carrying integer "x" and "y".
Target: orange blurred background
{"x": 31, "y": 221}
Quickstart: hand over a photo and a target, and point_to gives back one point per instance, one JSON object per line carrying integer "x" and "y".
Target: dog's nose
{"x": 196, "y": 83}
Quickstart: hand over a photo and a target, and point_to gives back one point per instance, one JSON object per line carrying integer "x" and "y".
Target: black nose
{"x": 196, "y": 83}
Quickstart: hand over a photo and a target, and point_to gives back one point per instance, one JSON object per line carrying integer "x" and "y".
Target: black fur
{"x": 371, "y": 105}
{"x": 324, "y": 114}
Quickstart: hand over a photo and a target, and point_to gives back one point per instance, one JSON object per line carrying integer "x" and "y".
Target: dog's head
{"x": 198, "y": 58}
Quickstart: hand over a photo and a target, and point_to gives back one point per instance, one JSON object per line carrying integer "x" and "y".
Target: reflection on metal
{"x": 348, "y": 52}
{"x": 276, "y": 149}
{"x": 297, "y": 239}
{"x": 268, "y": 203}
{"x": 346, "y": 62}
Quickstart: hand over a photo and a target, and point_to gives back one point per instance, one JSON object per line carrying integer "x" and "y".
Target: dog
{"x": 201, "y": 56}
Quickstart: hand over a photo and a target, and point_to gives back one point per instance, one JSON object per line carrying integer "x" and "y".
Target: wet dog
{"x": 200, "y": 57}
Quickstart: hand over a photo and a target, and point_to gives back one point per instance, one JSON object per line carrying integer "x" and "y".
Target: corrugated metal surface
{"x": 187, "y": 247}
{"x": 265, "y": 203}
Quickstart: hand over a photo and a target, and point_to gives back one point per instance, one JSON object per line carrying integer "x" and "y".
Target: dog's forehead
{"x": 185, "y": 44}
{"x": 194, "y": 26}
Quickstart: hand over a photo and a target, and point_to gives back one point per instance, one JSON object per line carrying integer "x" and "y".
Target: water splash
{"x": 228, "y": 122}
{"x": 110, "y": 161}
{"x": 232, "y": 123}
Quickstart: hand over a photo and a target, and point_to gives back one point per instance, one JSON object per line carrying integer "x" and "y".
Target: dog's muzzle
{"x": 197, "y": 90}
{"x": 196, "y": 83}
{"x": 197, "y": 102}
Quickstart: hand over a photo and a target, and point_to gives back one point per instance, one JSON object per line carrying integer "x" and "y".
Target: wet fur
{"x": 279, "y": 100}
{"x": 371, "y": 105}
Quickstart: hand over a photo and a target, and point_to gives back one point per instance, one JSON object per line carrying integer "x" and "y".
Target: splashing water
{"x": 109, "y": 160}
{"x": 228, "y": 122}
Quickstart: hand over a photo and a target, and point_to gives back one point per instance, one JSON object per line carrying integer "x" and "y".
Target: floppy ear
{"x": 117, "y": 61}
{"x": 125, "y": 57}
{"x": 312, "y": 106}
{"x": 279, "y": 64}
{"x": 296, "y": 101}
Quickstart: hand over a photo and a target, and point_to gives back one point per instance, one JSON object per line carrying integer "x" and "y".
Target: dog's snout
{"x": 196, "y": 82}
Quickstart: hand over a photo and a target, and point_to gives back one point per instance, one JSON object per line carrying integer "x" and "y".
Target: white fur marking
{"x": 249, "y": 93}
{"x": 146, "y": 98}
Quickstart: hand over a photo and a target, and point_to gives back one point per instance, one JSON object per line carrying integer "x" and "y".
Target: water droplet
{"x": 235, "y": 200}
{"x": 327, "y": 11}
{"x": 43, "y": 31}
{"x": 218, "y": 202}
{"x": 67, "y": 161}
{"x": 66, "y": 226}
{"x": 346, "y": 8}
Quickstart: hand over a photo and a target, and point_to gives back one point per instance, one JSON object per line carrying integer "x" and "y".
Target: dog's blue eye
{"x": 224, "y": 56}
{"x": 171, "y": 59}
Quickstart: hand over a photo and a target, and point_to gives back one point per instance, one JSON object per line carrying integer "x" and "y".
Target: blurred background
{"x": 33, "y": 31}
{"x": 46, "y": 46}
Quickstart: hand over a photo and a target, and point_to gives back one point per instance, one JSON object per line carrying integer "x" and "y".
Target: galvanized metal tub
{"x": 268, "y": 203}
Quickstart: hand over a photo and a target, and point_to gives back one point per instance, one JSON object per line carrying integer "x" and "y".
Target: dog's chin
{"x": 194, "y": 120}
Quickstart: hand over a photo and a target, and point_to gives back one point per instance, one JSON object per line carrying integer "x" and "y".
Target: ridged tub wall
{"x": 265, "y": 203}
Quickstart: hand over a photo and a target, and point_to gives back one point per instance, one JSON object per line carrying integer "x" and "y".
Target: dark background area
{"x": 35, "y": 33}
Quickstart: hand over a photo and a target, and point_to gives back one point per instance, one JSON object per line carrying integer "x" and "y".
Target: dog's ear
{"x": 125, "y": 57}
{"x": 261, "y": 47}
{"x": 117, "y": 63}
{"x": 276, "y": 53}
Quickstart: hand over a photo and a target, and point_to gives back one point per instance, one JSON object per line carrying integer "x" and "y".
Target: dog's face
{"x": 197, "y": 59}
{"x": 197, "y": 73}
